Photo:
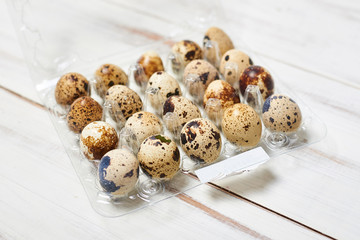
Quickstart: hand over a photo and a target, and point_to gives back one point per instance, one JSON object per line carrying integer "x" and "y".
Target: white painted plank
{"x": 322, "y": 36}
{"x": 42, "y": 197}
{"x": 14, "y": 73}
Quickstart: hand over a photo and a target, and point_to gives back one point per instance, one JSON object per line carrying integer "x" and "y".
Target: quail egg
{"x": 164, "y": 86}
{"x": 241, "y": 125}
{"x": 239, "y": 59}
{"x": 124, "y": 102}
{"x": 223, "y": 91}
{"x": 118, "y": 172}
{"x": 281, "y": 114}
{"x": 201, "y": 141}
{"x": 159, "y": 157}
{"x": 198, "y": 74}
{"x": 83, "y": 111}
{"x": 151, "y": 62}
{"x": 221, "y": 38}
{"x": 187, "y": 51}
{"x": 70, "y": 87}
{"x": 97, "y": 138}
{"x": 256, "y": 75}
{"x": 143, "y": 125}
{"x": 183, "y": 108}
{"x": 108, "y": 75}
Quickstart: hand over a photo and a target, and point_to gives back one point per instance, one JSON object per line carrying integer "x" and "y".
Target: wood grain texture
{"x": 321, "y": 36}
{"x": 42, "y": 195}
{"x": 310, "y": 45}
{"x": 315, "y": 185}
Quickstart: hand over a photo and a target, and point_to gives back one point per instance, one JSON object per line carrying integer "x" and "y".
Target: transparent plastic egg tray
{"x": 81, "y": 36}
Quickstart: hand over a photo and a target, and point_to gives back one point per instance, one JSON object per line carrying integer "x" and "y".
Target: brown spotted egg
{"x": 151, "y": 62}
{"x": 97, "y": 138}
{"x": 238, "y": 59}
{"x": 223, "y": 91}
{"x": 201, "y": 141}
{"x": 124, "y": 102}
{"x": 183, "y": 108}
{"x": 187, "y": 51}
{"x": 118, "y": 172}
{"x": 108, "y": 75}
{"x": 83, "y": 111}
{"x": 281, "y": 114}
{"x": 70, "y": 87}
{"x": 221, "y": 38}
{"x": 241, "y": 125}
{"x": 256, "y": 75}
{"x": 159, "y": 157}
{"x": 144, "y": 124}
{"x": 165, "y": 86}
{"x": 204, "y": 74}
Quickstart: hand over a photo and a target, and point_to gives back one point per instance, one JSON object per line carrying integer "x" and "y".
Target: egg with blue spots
{"x": 281, "y": 114}
{"x": 118, "y": 172}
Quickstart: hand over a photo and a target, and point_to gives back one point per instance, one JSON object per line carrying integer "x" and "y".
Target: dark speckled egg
{"x": 222, "y": 91}
{"x": 257, "y": 75}
{"x": 281, "y": 114}
{"x": 118, "y": 171}
{"x": 83, "y": 111}
{"x": 151, "y": 62}
{"x": 108, "y": 75}
{"x": 159, "y": 157}
{"x": 205, "y": 72}
{"x": 70, "y": 87}
{"x": 187, "y": 50}
{"x": 201, "y": 141}
{"x": 185, "y": 110}
{"x": 124, "y": 102}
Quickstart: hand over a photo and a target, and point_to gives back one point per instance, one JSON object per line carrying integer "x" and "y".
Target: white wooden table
{"x": 311, "y": 193}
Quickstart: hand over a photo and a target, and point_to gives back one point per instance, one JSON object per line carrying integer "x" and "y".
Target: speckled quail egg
{"x": 184, "y": 110}
{"x": 97, "y": 138}
{"x": 151, "y": 62}
{"x": 144, "y": 124}
{"x": 83, "y": 111}
{"x": 165, "y": 86}
{"x": 281, "y": 114}
{"x": 159, "y": 157}
{"x": 257, "y": 75}
{"x": 223, "y": 91}
{"x": 201, "y": 141}
{"x": 108, "y": 75}
{"x": 204, "y": 74}
{"x": 221, "y": 38}
{"x": 241, "y": 125}
{"x": 187, "y": 51}
{"x": 239, "y": 59}
{"x": 124, "y": 102}
{"x": 118, "y": 172}
{"x": 70, "y": 87}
